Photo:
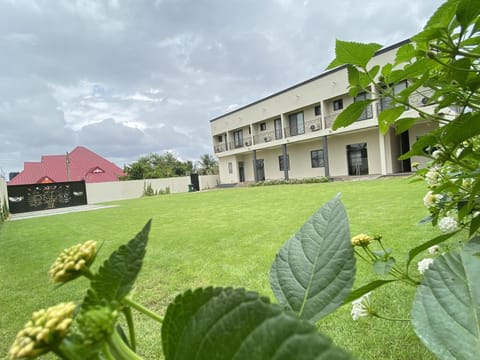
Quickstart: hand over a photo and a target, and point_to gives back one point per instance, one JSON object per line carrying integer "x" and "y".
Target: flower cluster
{"x": 424, "y": 264}
{"x": 97, "y": 323}
{"x": 451, "y": 186}
{"x": 46, "y": 328}
{"x": 362, "y": 307}
{"x": 73, "y": 262}
{"x": 361, "y": 240}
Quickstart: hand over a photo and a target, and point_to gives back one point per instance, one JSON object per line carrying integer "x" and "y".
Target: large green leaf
{"x": 387, "y": 117}
{"x": 314, "y": 271}
{"x": 446, "y": 309}
{"x": 467, "y": 12}
{"x": 351, "y": 113}
{"x": 225, "y": 323}
{"x": 349, "y": 52}
{"x": 116, "y": 276}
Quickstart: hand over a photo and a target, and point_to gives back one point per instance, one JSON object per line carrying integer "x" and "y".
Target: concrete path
{"x": 66, "y": 210}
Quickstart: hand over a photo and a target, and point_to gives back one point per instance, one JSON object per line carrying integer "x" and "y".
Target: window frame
{"x": 338, "y": 104}
{"x": 317, "y": 161}
{"x": 280, "y": 163}
{"x": 294, "y": 120}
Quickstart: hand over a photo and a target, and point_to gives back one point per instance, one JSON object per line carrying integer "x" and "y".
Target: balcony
{"x": 265, "y": 136}
{"x": 219, "y": 148}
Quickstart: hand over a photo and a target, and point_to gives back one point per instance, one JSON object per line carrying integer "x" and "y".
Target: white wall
{"x": 3, "y": 193}
{"x": 123, "y": 190}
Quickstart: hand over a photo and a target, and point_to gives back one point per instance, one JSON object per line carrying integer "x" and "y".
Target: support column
{"x": 325, "y": 156}
{"x": 285, "y": 161}
{"x": 255, "y": 173}
{"x": 383, "y": 157}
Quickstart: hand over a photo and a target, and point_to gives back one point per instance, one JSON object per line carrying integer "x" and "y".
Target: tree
{"x": 158, "y": 166}
{"x": 207, "y": 165}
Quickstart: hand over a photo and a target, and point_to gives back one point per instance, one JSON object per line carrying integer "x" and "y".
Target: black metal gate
{"x": 195, "y": 182}
{"x": 26, "y": 198}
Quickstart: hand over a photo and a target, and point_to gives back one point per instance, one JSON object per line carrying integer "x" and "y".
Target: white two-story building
{"x": 289, "y": 134}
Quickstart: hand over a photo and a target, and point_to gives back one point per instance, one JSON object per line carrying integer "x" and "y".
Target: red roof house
{"x": 80, "y": 164}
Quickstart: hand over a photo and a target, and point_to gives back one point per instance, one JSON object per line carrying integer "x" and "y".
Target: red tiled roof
{"x": 83, "y": 165}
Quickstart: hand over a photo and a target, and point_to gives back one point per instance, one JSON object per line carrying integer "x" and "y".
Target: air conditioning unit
{"x": 314, "y": 127}
{"x": 247, "y": 143}
{"x": 267, "y": 138}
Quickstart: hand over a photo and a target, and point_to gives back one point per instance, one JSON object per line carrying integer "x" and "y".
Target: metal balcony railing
{"x": 264, "y": 137}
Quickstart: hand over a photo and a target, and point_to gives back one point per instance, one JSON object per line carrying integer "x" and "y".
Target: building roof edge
{"x": 323, "y": 74}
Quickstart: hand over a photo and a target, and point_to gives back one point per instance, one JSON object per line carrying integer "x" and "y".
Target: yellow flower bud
{"x": 361, "y": 240}
{"x": 45, "y": 327}
{"x": 72, "y": 261}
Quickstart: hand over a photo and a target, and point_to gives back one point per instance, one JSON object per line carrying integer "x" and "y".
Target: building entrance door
{"x": 260, "y": 170}
{"x": 357, "y": 159}
{"x": 241, "y": 172}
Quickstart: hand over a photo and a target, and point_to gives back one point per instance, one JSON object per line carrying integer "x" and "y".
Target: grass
{"x": 221, "y": 238}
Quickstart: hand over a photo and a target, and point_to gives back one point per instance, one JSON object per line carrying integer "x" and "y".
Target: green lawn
{"x": 222, "y": 238}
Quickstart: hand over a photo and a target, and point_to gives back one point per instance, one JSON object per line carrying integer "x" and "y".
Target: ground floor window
{"x": 280, "y": 163}
{"x": 230, "y": 168}
{"x": 317, "y": 158}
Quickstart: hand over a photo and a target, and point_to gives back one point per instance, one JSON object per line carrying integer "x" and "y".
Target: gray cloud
{"x": 130, "y": 77}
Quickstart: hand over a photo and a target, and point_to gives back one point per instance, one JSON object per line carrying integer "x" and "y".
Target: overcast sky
{"x": 129, "y": 77}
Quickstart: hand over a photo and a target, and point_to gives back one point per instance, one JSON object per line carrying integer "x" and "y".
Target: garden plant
{"x": 314, "y": 272}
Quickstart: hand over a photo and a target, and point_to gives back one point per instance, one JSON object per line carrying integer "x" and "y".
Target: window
{"x": 337, "y": 104}
{"x": 317, "y": 158}
{"x": 296, "y": 123}
{"x": 238, "y": 138}
{"x": 318, "y": 110}
{"x": 280, "y": 163}
{"x": 385, "y": 103}
{"x": 278, "y": 128}
{"x": 219, "y": 138}
{"x": 367, "y": 113}
{"x": 263, "y": 126}
{"x": 230, "y": 168}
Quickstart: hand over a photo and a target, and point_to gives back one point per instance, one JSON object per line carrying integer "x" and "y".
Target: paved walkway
{"x": 66, "y": 210}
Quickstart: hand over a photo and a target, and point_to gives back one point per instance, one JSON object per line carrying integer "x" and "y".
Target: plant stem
{"x": 389, "y": 318}
{"x": 131, "y": 328}
{"x": 107, "y": 352}
{"x": 143, "y": 310}
{"x": 122, "y": 351}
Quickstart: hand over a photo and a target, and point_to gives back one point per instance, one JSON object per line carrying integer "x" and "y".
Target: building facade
{"x": 289, "y": 134}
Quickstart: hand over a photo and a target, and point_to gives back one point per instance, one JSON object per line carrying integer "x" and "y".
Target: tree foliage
{"x": 158, "y": 166}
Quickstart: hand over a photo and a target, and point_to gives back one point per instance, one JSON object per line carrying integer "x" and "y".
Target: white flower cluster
{"x": 447, "y": 224}
{"x": 424, "y": 264}
{"x": 432, "y": 177}
{"x": 431, "y": 200}
{"x": 361, "y": 307}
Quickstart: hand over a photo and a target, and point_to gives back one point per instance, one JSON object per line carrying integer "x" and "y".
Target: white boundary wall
{"x": 3, "y": 193}
{"x": 132, "y": 189}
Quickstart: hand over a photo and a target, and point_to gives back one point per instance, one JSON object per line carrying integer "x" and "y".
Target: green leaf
{"x": 429, "y": 139}
{"x": 435, "y": 241}
{"x": 446, "y": 309}
{"x": 388, "y": 117}
{"x": 351, "y": 113}
{"x": 382, "y": 267}
{"x": 442, "y": 17}
{"x": 314, "y": 271}
{"x": 463, "y": 128}
{"x": 467, "y": 12}
{"x": 116, "y": 276}
{"x": 404, "y": 124}
{"x": 405, "y": 54}
{"x": 354, "y": 53}
{"x": 355, "y": 294}
{"x": 459, "y": 70}
{"x": 225, "y": 323}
